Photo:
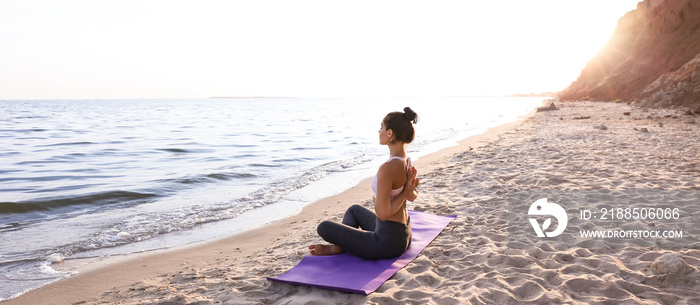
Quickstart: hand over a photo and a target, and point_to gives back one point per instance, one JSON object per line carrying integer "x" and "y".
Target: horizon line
{"x": 543, "y": 94}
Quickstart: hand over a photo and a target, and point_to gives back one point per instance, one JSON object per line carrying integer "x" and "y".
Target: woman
{"x": 386, "y": 232}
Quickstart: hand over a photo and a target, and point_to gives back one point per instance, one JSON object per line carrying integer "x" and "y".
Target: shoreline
{"x": 112, "y": 272}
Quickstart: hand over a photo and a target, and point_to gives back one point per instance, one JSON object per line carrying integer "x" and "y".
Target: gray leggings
{"x": 364, "y": 235}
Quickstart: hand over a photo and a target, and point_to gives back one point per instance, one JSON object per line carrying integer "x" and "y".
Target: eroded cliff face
{"x": 652, "y": 58}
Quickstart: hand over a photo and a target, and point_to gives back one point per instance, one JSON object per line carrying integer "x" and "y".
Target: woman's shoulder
{"x": 393, "y": 166}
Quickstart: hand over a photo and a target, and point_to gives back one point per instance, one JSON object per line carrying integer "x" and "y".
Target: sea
{"x": 90, "y": 179}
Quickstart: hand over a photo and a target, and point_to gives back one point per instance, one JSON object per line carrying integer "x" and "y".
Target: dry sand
{"x": 470, "y": 262}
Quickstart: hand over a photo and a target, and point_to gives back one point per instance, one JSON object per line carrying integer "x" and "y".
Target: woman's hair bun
{"x": 400, "y": 123}
{"x": 411, "y": 115}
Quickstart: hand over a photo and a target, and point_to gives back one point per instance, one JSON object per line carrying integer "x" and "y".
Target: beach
{"x": 610, "y": 148}
{"x": 157, "y": 174}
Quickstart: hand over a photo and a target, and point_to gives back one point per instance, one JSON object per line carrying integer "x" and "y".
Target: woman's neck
{"x": 397, "y": 149}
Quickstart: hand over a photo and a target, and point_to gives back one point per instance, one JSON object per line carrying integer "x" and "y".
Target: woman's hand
{"x": 411, "y": 184}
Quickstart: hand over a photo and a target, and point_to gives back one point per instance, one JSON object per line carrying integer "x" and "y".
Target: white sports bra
{"x": 394, "y": 192}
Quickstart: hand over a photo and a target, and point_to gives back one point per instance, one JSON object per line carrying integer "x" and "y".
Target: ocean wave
{"x": 40, "y": 178}
{"x": 49, "y": 204}
{"x": 24, "y": 130}
{"x": 265, "y": 165}
{"x": 144, "y": 226}
{"x": 174, "y": 150}
{"x": 185, "y": 151}
{"x": 280, "y": 188}
{"x": 67, "y": 144}
{"x": 210, "y": 178}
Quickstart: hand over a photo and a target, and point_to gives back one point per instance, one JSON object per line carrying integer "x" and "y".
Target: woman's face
{"x": 384, "y": 136}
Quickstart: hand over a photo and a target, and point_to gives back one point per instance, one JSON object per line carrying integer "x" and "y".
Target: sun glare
{"x": 170, "y": 49}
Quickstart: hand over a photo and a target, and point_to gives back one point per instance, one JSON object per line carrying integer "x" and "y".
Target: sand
{"x": 583, "y": 146}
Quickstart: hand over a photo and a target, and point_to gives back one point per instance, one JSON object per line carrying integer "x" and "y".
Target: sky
{"x": 97, "y": 49}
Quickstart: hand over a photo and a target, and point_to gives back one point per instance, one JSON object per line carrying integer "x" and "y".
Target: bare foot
{"x": 325, "y": 249}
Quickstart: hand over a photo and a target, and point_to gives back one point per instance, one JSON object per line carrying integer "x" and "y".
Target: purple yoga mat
{"x": 349, "y": 273}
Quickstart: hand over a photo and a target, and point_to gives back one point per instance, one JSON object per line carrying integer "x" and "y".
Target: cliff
{"x": 652, "y": 58}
